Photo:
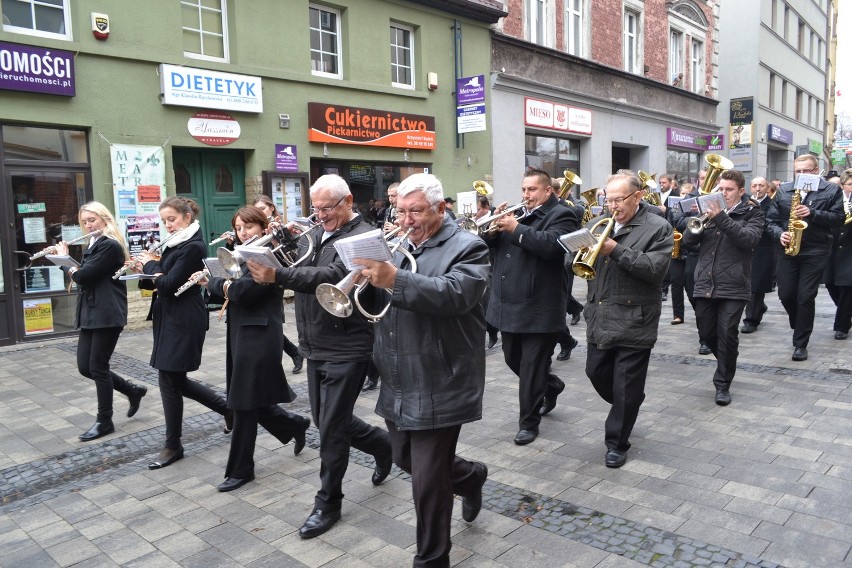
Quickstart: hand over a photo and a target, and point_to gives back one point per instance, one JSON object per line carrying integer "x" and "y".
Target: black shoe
{"x": 229, "y": 421}
{"x": 371, "y": 384}
{"x": 135, "y": 397}
{"x": 840, "y": 335}
{"x": 318, "y": 523}
{"x": 298, "y": 361}
{"x": 524, "y": 437}
{"x": 473, "y": 504}
{"x": 748, "y": 328}
{"x": 549, "y": 403}
{"x": 383, "y": 469}
{"x": 575, "y": 319}
{"x": 723, "y": 397}
{"x": 492, "y": 341}
{"x": 704, "y": 349}
{"x": 800, "y": 354}
{"x": 98, "y": 430}
{"x": 232, "y": 483}
{"x": 299, "y": 438}
{"x": 565, "y": 354}
{"x": 166, "y": 458}
{"x": 615, "y": 458}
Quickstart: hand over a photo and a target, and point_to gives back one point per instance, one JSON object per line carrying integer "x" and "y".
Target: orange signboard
{"x": 336, "y": 124}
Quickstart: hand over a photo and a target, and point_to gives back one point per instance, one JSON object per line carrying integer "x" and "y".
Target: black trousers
{"x": 718, "y": 322}
{"x": 798, "y": 284}
{"x": 677, "y": 276}
{"x": 565, "y": 339}
{"x": 618, "y": 374}
{"x": 333, "y": 388}
{"x": 755, "y": 308}
{"x": 528, "y": 355}
{"x": 842, "y": 296}
{"x": 690, "y": 262}
{"x": 437, "y": 474}
{"x": 277, "y": 421}
{"x": 174, "y": 385}
{"x": 290, "y": 348}
{"x": 94, "y": 350}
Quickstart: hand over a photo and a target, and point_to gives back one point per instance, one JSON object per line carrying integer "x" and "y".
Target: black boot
{"x": 134, "y": 396}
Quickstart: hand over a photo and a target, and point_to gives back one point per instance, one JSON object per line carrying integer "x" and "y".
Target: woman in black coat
{"x": 180, "y": 323}
{"x": 101, "y": 314}
{"x": 256, "y": 381}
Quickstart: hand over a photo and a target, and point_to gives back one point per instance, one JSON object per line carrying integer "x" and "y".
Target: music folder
{"x": 572, "y": 242}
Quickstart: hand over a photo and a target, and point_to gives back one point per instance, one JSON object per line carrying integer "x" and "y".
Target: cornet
{"x": 334, "y": 298}
{"x": 123, "y": 270}
{"x": 695, "y": 225}
{"x": 584, "y": 260}
{"x": 234, "y": 263}
{"x": 486, "y": 226}
{"x": 52, "y": 249}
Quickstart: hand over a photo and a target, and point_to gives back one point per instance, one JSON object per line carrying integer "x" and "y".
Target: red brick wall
{"x": 513, "y": 24}
{"x": 606, "y": 33}
{"x": 656, "y": 36}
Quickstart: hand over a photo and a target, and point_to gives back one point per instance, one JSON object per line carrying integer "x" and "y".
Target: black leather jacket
{"x": 826, "y": 216}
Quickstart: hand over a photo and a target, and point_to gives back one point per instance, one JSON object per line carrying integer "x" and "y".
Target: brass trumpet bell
{"x": 571, "y": 179}
{"x": 483, "y": 188}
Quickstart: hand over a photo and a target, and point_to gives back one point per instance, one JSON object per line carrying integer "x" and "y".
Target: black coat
{"x": 838, "y": 271}
{"x": 763, "y": 262}
{"x": 101, "y": 301}
{"x": 180, "y": 323}
{"x": 826, "y": 216}
{"x": 253, "y": 368}
{"x": 528, "y": 287}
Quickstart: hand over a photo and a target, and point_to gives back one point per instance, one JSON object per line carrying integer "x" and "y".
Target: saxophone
{"x": 796, "y": 227}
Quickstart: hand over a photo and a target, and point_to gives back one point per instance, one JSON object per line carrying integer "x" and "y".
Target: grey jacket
{"x": 430, "y": 347}
{"x": 624, "y": 302}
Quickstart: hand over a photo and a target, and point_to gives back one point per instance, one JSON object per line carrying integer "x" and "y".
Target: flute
{"x": 192, "y": 282}
{"x": 121, "y": 271}
{"x": 52, "y": 249}
{"x": 226, "y": 235}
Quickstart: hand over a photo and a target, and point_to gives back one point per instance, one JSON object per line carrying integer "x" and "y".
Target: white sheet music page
{"x": 261, "y": 255}
{"x": 371, "y": 245}
{"x": 572, "y": 242}
{"x": 215, "y": 268}
{"x": 62, "y": 260}
{"x": 807, "y": 182}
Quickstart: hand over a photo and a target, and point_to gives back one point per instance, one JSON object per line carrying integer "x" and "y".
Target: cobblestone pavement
{"x": 766, "y": 481}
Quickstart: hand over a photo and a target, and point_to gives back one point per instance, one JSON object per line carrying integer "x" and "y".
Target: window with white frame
{"x": 631, "y": 42}
{"x": 205, "y": 26}
{"x": 402, "y": 61}
{"x": 45, "y": 18}
{"x": 325, "y": 42}
{"x": 538, "y": 14}
{"x": 696, "y": 82}
{"x": 676, "y": 57}
{"x": 687, "y": 17}
{"x": 575, "y": 27}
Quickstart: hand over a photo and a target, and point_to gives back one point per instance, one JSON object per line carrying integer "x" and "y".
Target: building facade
{"x": 594, "y": 87}
{"x": 217, "y": 100}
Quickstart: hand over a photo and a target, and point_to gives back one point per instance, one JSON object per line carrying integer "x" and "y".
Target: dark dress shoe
{"x": 723, "y": 397}
{"x": 298, "y": 361}
{"x": 166, "y": 458}
{"x": 135, "y": 397}
{"x": 565, "y": 354}
{"x": 371, "y": 384}
{"x": 492, "y": 341}
{"x": 524, "y": 437}
{"x": 473, "y": 504}
{"x": 547, "y": 404}
{"x": 383, "y": 469}
{"x": 232, "y": 483}
{"x": 748, "y": 328}
{"x": 229, "y": 421}
{"x": 840, "y": 335}
{"x": 615, "y": 458}
{"x": 800, "y": 354}
{"x": 677, "y": 321}
{"x": 575, "y": 319}
{"x": 318, "y": 523}
{"x": 299, "y": 438}
{"x": 98, "y": 430}
{"x": 704, "y": 349}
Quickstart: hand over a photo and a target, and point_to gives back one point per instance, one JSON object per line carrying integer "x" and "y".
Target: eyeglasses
{"x": 617, "y": 201}
{"x": 327, "y": 210}
{"x": 809, "y": 171}
{"x": 415, "y": 213}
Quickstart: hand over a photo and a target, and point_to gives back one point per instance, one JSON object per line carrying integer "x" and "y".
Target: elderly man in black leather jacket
{"x": 430, "y": 352}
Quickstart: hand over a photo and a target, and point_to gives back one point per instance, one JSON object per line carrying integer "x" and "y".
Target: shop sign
{"x": 286, "y": 158}
{"x": 36, "y": 69}
{"x": 838, "y": 156}
{"x": 31, "y": 208}
{"x": 213, "y": 128}
{"x": 335, "y": 124}
{"x": 741, "y": 111}
{"x": 778, "y": 134}
{"x": 188, "y": 86}
{"x": 470, "y": 90}
{"x": 814, "y": 146}
{"x": 470, "y": 118}
{"x": 555, "y": 116}
{"x": 694, "y": 140}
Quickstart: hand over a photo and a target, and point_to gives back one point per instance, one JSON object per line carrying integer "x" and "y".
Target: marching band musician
{"x": 690, "y": 254}
{"x": 838, "y": 274}
{"x": 387, "y": 221}
{"x": 799, "y": 276}
{"x": 677, "y": 267}
{"x": 762, "y": 262}
{"x": 338, "y": 353}
{"x": 265, "y": 204}
{"x": 180, "y": 323}
{"x": 723, "y": 274}
{"x": 255, "y": 378}
{"x": 429, "y": 351}
{"x": 529, "y": 294}
{"x": 624, "y": 306}
{"x": 101, "y": 314}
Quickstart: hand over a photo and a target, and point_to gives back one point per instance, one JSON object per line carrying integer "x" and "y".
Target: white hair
{"x": 333, "y": 183}
{"x": 427, "y": 183}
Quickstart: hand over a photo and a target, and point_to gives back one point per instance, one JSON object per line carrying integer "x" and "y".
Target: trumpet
{"x": 225, "y": 236}
{"x": 52, "y": 249}
{"x": 192, "y": 282}
{"x": 234, "y": 263}
{"x": 695, "y": 225}
{"x": 334, "y": 298}
{"x": 123, "y": 270}
{"x": 485, "y": 226}
{"x": 583, "y": 265}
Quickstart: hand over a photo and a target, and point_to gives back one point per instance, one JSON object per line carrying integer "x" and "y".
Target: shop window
{"x": 402, "y": 61}
{"x": 552, "y": 155}
{"x": 45, "y": 18}
{"x": 325, "y": 42}
{"x": 45, "y": 144}
{"x": 205, "y": 26}
{"x": 683, "y": 166}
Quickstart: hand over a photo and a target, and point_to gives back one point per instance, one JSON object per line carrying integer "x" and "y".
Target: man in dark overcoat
{"x": 762, "y": 263}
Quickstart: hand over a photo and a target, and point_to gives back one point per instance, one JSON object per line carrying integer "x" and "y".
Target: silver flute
{"x": 192, "y": 282}
{"x": 225, "y": 236}
{"x": 52, "y": 249}
{"x": 123, "y": 270}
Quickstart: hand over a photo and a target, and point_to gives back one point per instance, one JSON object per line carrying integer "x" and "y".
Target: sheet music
{"x": 215, "y": 268}
{"x": 807, "y": 182}
{"x": 704, "y": 200}
{"x": 672, "y": 201}
{"x": 62, "y": 260}
{"x": 261, "y": 255}
{"x": 371, "y": 245}
{"x": 687, "y": 204}
{"x": 572, "y": 242}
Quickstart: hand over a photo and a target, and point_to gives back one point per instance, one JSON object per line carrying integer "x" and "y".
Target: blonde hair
{"x": 111, "y": 229}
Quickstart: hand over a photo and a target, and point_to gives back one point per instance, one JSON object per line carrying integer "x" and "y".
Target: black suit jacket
{"x": 101, "y": 301}
{"x": 826, "y": 216}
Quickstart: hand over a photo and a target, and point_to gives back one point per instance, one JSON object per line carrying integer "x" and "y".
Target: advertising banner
{"x": 189, "y": 86}
{"x": 139, "y": 185}
{"x": 335, "y": 124}
{"x": 36, "y": 69}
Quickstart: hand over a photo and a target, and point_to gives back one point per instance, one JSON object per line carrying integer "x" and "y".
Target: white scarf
{"x": 181, "y": 235}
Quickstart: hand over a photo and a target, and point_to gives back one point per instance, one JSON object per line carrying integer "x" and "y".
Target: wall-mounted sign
{"x": 213, "y": 128}
{"x": 778, "y": 134}
{"x": 555, "y": 116}
{"x": 470, "y": 90}
{"x": 470, "y": 118}
{"x": 814, "y": 146}
{"x": 336, "y": 124}
{"x": 36, "y": 69}
{"x": 694, "y": 140}
{"x": 741, "y": 110}
{"x": 188, "y": 86}
{"x": 286, "y": 158}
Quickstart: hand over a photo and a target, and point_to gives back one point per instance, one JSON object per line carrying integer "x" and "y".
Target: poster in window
{"x": 38, "y": 316}
{"x": 44, "y": 279}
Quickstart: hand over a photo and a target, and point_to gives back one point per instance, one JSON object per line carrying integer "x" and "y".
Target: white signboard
{"x": 546, "y": 114}
{"x": 470, "y": 118}
{"x": 188, "y": 86}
